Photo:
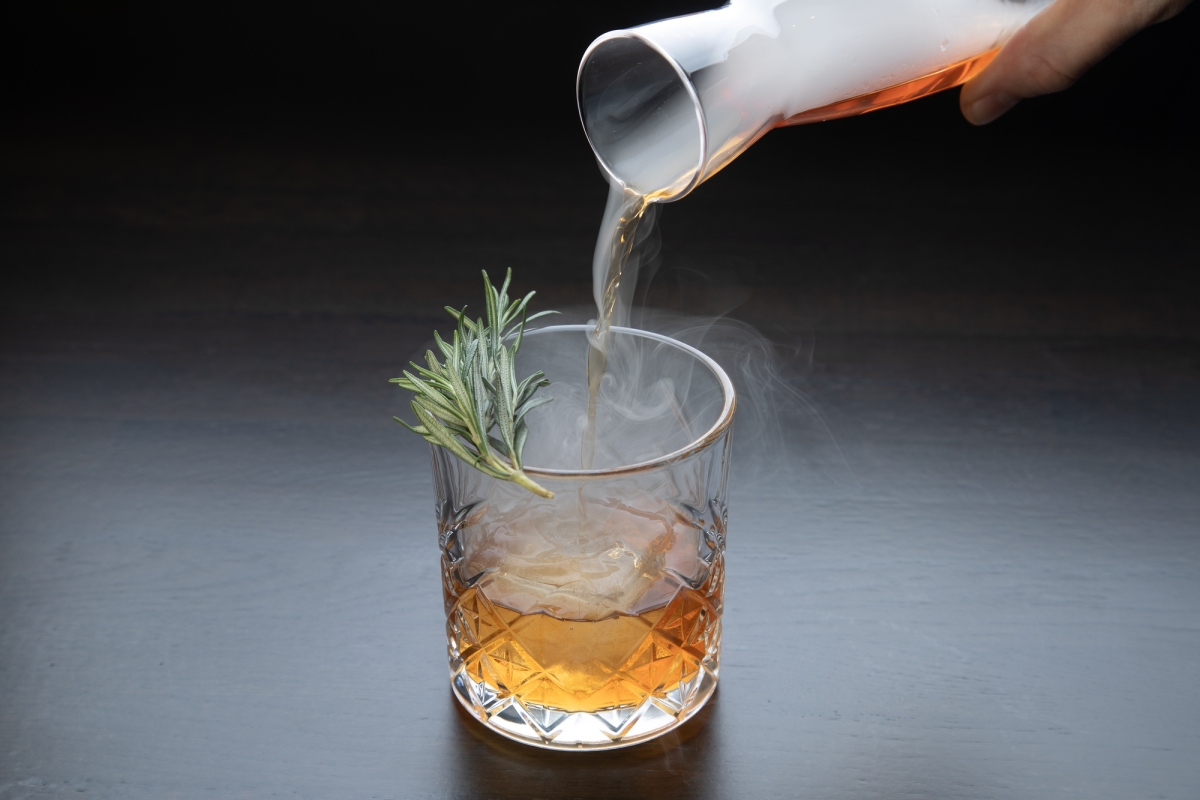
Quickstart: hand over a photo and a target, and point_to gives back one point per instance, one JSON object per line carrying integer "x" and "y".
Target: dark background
{"x": 224, "y": 227}
{"x": 270, "y": 157}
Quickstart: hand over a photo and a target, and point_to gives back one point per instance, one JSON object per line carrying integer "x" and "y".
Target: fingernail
{"x": 989, "y": 107}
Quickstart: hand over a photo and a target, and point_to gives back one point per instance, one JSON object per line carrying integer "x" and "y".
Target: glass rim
{"x": 724, "y": 419}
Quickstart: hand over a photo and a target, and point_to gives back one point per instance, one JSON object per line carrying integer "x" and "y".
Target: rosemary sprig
{"x": 459, "y": 402}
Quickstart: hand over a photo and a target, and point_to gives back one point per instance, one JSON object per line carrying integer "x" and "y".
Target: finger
{"x": 1055, "y": 49}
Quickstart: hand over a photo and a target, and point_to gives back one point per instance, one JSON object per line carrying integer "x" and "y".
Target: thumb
{"x": 1055, "y": 49}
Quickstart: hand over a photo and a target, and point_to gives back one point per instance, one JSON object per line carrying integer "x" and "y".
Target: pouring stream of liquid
{"x": 622, "y": 216}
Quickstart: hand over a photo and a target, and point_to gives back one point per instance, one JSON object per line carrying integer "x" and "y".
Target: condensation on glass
{"x": 593, "y": 620}
{"x": 667, "y": 105}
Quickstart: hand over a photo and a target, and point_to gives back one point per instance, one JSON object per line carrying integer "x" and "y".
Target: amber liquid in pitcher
{"x": 948, "y": 78}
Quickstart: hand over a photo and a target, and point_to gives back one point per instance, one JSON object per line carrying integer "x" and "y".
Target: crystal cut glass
{"x": 592, "y": 620}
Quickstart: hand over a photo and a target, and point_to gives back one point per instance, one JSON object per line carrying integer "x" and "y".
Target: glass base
{"x": 554, "y": 729}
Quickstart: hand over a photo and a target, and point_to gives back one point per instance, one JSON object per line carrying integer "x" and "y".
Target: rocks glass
{"x": 593, "y": 620}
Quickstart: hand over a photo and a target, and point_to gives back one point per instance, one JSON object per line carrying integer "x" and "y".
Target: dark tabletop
{"x": 976, "y": 574}
{"x": 220, "y": 576}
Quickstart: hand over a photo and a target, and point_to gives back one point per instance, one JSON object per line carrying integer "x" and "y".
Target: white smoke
{"x": 650, "y": 406}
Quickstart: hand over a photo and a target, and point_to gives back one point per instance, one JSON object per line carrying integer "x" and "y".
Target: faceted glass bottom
{"x": 582, "y": 685}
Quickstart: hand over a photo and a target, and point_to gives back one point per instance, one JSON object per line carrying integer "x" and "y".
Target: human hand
{"x": 1055, "y": 49}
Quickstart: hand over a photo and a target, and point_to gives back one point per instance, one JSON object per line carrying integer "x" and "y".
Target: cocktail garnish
{"x": 459, "y": 402}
